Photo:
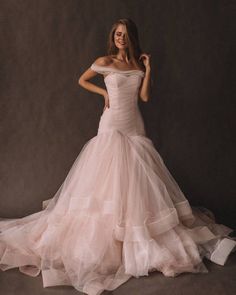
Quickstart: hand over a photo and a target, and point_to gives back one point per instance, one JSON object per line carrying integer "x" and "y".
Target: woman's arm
{"x": 87, "y": 75}
{"x": 83, "y": 82}
{"x": 145, "y": 88}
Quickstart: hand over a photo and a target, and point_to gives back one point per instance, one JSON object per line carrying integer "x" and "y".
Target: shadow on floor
{"x": 221, "y": 280}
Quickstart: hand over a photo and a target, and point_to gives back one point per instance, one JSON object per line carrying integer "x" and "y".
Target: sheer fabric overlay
{"x": 119, "y": 212}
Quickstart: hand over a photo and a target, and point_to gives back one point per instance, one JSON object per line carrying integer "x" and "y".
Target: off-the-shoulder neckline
{"x": 108, "y": 67}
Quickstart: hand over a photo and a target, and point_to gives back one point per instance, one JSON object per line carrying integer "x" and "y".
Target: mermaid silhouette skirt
{"x": 119, "y": 213}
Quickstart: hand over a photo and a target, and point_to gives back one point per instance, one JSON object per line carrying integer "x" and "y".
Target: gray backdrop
{"x": 46, "y": 118}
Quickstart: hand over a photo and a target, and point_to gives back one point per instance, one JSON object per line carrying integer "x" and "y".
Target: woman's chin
{"x": 119, "y": 46}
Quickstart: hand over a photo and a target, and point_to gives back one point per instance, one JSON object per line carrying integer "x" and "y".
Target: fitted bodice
{"x": 122, "y": 88}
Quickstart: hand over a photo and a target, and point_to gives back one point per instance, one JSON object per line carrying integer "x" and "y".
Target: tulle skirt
{"x": 119, "y": 213}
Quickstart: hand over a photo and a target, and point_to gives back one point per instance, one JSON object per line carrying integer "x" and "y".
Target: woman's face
{"x": 120, "y": 37}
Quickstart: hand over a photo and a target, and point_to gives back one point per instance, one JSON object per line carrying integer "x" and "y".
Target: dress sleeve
{"x": 99, "y": 69}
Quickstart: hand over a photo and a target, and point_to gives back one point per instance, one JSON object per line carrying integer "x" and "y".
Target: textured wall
{"x": 46, "y": 118}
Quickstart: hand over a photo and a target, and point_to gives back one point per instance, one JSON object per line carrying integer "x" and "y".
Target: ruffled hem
{"x": 125, "y": 216}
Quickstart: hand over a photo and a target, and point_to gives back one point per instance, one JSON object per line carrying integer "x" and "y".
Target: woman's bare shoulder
{"x": 103, "y": 61}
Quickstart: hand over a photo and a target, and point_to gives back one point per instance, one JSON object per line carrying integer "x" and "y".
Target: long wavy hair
{"x": 132, "y": 39}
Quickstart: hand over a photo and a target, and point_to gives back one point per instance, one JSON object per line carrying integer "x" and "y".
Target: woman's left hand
{"x": 146, "y": 59}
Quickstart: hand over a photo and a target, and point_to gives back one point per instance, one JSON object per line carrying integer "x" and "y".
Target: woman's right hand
{"x": 107, "y": 103}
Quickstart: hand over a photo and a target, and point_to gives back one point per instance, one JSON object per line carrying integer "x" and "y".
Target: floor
{"x": 221, "y": 280}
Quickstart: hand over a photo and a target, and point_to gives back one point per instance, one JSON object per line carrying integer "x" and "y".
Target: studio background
{"x": 46, "y": 117}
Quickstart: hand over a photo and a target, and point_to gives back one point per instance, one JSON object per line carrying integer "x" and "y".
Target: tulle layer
{"x": 119, "y": 213}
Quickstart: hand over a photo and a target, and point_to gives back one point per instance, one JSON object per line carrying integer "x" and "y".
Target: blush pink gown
{"x": 119, "y": 213}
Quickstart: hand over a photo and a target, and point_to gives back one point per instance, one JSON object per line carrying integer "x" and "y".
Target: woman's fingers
{"x": 106, "y": 98}
{"x": 144, "y": 55}
{"x": 107, "y": 103}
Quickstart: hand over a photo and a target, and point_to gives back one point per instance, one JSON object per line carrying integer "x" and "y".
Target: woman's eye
{"x": 119, "y": 35}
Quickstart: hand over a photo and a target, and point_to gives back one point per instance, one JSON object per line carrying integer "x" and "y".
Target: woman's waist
{"x": 116, "y": 115}
{"x": 128, "y": 122}
{"x": 121, "y": 110}
{"x": 122, "y": 105}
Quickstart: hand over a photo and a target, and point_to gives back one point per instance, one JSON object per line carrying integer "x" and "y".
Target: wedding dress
{"x": 119, "y": 213}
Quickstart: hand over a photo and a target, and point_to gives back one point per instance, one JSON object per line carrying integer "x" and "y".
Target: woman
{"x": 119, "y": 213}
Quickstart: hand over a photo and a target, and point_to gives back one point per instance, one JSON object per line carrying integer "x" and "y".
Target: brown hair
{"x": 132, "y": 39}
